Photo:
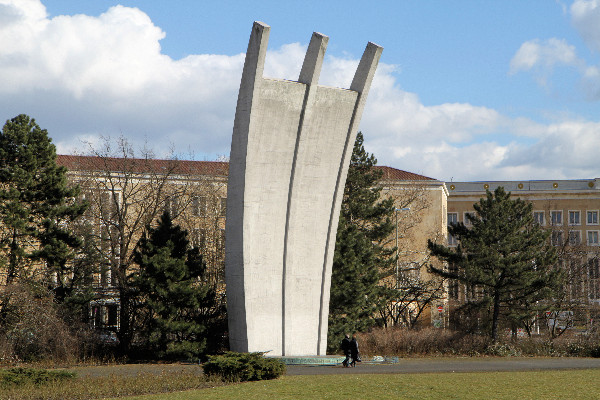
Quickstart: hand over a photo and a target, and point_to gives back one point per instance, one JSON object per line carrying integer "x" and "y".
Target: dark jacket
{"x": 346, "y": 346}
{"x": 354, "y": 348}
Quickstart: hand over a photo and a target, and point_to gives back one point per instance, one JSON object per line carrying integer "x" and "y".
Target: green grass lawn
{"x": 571, "y": 384}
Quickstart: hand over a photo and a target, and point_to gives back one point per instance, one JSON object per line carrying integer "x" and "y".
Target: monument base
{"x": 309, "y": 360}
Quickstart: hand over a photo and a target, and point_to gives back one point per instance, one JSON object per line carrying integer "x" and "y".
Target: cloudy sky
{"x": 487, "y": 90}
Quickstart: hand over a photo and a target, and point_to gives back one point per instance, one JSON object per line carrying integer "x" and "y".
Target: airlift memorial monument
{"x": 290, "y": 152}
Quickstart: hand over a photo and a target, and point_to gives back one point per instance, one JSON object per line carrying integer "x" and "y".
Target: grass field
{"x": 571, "y": 384}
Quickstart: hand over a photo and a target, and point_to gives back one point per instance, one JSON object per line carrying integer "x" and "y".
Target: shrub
{"x": 504, "y": 350}
{"x": 31, "y": 376}
{"x": 398, "y": 341}
{"x": 429, "y": 341}
{"x": 31, "y": 329}
{"x": 241, "y": 367}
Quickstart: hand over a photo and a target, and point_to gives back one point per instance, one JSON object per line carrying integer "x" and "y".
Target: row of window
{"x": 575, "y": 238}
{"x": 574, "y": 217}
{"x": 556, "y": 217}
{"x": 588, "y": 283}
{"x": 557, "y": 239}
{"x": 583, "y": 285}
{"x": 201, "y": 206}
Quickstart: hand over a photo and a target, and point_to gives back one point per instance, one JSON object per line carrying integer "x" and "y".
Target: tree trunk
{"x": 125, "y": 322}
{"x": 12, "y": 263}
{"x": 495, "y": 317}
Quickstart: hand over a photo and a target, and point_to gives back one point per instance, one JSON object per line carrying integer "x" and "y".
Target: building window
{"x": 539, "y": 218}
{"x": 556, "y": 217}
{"x": 105, "y": 315}
{"x": 471, "y": 293}
{"x": 595, "y": 289}
{"x": 594, "y": 268}
{"x": 172, "y": 206}
{"x": 574, "y": 238}
{"x": 223, "y": 206}
{"x": 198, "y": 238}
{"x": 108, "y": 204}
{"x": 592, "y": 238}
{"x": 452, "y": 240}
{"x": 221, "y": 243}
{"x": 592, "y": 217}
{"x": 89, "y": 197}
{"x": 466, "y": 219}
{"x": 452, "y": 219}
{"x": 576, "y": 289}
{"x": 594, "y": 275}
{"x": 557, "y": 238}
{"x": 200, "y": 206}
{"x": 453, "y": 284}
{"x": 574, "y": 218}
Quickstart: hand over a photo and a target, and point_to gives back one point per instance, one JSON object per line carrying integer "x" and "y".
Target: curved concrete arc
{"x": 290, "y": 151}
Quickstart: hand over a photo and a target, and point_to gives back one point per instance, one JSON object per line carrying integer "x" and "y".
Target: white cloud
{"x": 117, "y": 51}
{"x": 591, "y": 83}
{"x": 545, "y": 54}
{"x": 83, "y": 77}
{"x": 541, "y": 57}
{"x": 285, "y": 62}
{"x": 565, "y": 150}
{"x": 572, "y": 144}
{"x": 585, "y": 15}
{"x": 26, "y": 12}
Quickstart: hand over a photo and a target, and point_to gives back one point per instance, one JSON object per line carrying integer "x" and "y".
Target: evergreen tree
{"x": 181, "y": 308}
{"x": 36, "y": 204}
{"x": 360, "y": 259}
{"x": 504, "y": 257}
{"x": 76, "y": 290}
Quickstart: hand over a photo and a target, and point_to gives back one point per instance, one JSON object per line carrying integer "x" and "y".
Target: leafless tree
{"x": 410, "y": 292}
{"x": 126, "y": 191}
{"x": 576, "y": 302}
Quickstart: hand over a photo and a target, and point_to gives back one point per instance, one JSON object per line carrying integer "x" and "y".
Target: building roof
{"x": 517, "y": 187}
{"x": 182, "y": 167}
{"x": 186, "y": 167}
{"x": 398, "y": 174}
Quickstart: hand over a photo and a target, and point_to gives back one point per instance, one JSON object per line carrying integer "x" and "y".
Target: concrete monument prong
{"x": 290, "y": 151}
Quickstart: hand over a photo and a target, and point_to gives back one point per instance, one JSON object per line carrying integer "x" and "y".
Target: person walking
{"x": 354, "y": 353}
{"x": 346, "y": 350}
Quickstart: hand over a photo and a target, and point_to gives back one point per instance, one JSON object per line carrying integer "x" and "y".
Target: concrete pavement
{"x": 403, "y": 366}
{"x": 454, "y": 364}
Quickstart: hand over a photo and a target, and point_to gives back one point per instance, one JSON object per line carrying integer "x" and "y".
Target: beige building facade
{"x": 195, "y": 193}
{"x": 571, "y": 210}
{"x": 127, "y": 194}
{"x": 421, "y": 209}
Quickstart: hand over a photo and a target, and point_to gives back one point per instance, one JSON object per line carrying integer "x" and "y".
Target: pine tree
{"x": 504, "y": 256}
{"x": 360, "y": 258}
{"x": 36, "y": 204}
{"x": 181, "y": 309}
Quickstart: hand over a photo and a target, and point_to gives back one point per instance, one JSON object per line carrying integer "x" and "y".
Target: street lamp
{"x": 397, "y": 253}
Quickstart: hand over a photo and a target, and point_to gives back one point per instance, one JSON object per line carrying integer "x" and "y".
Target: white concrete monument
{"x": 290, "y": 151}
